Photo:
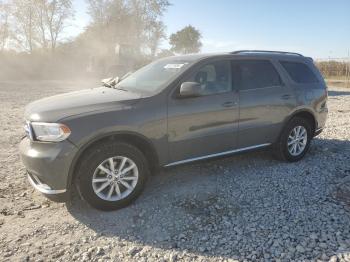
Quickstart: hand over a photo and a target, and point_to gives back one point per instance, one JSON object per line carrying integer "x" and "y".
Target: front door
{"x": 208, "y": 124}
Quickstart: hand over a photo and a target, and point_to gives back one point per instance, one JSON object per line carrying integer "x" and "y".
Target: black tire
{"x": 94, "y": 157}
{"x": 281, "y": 151}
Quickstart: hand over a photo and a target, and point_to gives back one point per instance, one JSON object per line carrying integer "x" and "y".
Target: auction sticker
{"x": 173, "y": 66}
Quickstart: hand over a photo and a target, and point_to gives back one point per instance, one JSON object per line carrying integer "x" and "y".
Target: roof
{"x": 266, "y": 52}
{"x": 245, "y": 53}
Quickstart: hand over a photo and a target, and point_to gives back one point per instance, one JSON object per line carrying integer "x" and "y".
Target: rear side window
{"x": 299, "y": 72}
{"x": 252, "y": 74}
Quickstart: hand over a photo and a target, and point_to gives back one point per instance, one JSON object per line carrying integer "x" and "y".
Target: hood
{"x": 54, "y": 108}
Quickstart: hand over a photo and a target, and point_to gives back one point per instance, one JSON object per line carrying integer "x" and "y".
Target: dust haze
{"x": 120, "y": 37}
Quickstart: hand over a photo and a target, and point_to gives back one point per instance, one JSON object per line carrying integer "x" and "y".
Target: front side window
{"x": 214, "y": 78}
{"x": 299, "y": 72}
{"x": 252, "y": 74}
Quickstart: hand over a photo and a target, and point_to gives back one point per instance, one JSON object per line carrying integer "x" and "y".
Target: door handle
{"x": 286, "y": 96}
{"x": 229, "y": 104}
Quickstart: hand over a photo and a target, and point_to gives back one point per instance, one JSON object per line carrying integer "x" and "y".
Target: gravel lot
{"x": 243, "y": 207}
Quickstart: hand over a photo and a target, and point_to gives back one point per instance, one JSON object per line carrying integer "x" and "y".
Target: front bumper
{"x": 48, "y": 165}
{"x": 43, "y": 188}
{"x": 57, "y": 195}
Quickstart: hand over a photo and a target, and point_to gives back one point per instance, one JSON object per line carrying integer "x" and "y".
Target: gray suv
{"x": 176, "y": 110}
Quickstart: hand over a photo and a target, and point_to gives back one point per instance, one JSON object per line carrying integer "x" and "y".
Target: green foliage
{"x": 186, "y": 41}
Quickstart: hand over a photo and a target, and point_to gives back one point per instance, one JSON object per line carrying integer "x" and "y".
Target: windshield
{"x": 152, "y": 77}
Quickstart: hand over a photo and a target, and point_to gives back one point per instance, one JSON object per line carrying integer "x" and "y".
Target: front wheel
{"x": 294, "y": 141}
{"x": 112, "y": 175}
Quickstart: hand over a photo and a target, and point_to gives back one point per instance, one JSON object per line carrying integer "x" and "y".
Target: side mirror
{"x": 190, "y": 89}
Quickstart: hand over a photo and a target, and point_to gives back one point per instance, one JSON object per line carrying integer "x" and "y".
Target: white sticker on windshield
{"x": 173, "y": 66}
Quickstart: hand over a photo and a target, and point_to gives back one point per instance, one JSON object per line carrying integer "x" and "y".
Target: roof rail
{"x": 265, "y": 51}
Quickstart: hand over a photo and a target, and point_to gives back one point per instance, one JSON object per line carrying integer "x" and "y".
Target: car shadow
{"x": 338, "y": 93}
{"x": 241, "y": 206}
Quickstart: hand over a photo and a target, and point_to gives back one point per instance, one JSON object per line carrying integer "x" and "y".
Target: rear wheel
{"x": 112, "y": 175}
{"x": 294, "y": 141}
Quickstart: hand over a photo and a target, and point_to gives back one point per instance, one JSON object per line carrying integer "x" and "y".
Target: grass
{"x": 341, "y": 81}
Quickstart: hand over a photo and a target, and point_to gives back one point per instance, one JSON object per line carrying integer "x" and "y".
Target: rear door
{"x": 264, "y": 101}
{"x": 208, "y": 124}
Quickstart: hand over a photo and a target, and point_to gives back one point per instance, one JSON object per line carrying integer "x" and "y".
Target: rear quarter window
{"x": 253, "y": 74}
{"x": 299, "y": 72}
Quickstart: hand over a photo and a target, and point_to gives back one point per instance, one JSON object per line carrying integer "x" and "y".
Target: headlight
{"x": 50, "y": 132}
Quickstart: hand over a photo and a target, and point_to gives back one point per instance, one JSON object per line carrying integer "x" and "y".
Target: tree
{"x": 4, "y": 24}
{"x": 186, "y": 41}
{"x": 99, "y": 11}
{"x": 41, "y": 20}
{"x": 57, "y": 13}
{"x": 154, "y": 35}
{"x": 132, "y": 22}
{"x": 24, "y": 24}
{"x": 165, "y": 53}
{"x": 148, "y": 30}
{"x": 40, "y": 23}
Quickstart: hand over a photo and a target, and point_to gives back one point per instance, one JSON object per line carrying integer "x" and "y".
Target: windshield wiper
{"x": 119, "y": 88}
{"x": 110, "y": 82}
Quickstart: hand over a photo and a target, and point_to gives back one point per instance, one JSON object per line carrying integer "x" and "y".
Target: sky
{"x": 317, "y": 28}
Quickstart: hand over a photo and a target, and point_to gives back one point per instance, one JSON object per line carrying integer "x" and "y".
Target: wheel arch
{"x": 303, "y": 113}
{"x": 137, "y": 140}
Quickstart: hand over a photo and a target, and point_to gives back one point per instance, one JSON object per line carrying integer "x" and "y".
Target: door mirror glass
{"x": 190, "y": 89}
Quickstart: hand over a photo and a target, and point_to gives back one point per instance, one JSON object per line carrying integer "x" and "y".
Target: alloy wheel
{"x": 297, "y": 140}
{"x": 115, "y": 178}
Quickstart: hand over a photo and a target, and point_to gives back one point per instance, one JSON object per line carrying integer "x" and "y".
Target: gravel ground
{"x": 243, "y": 207}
